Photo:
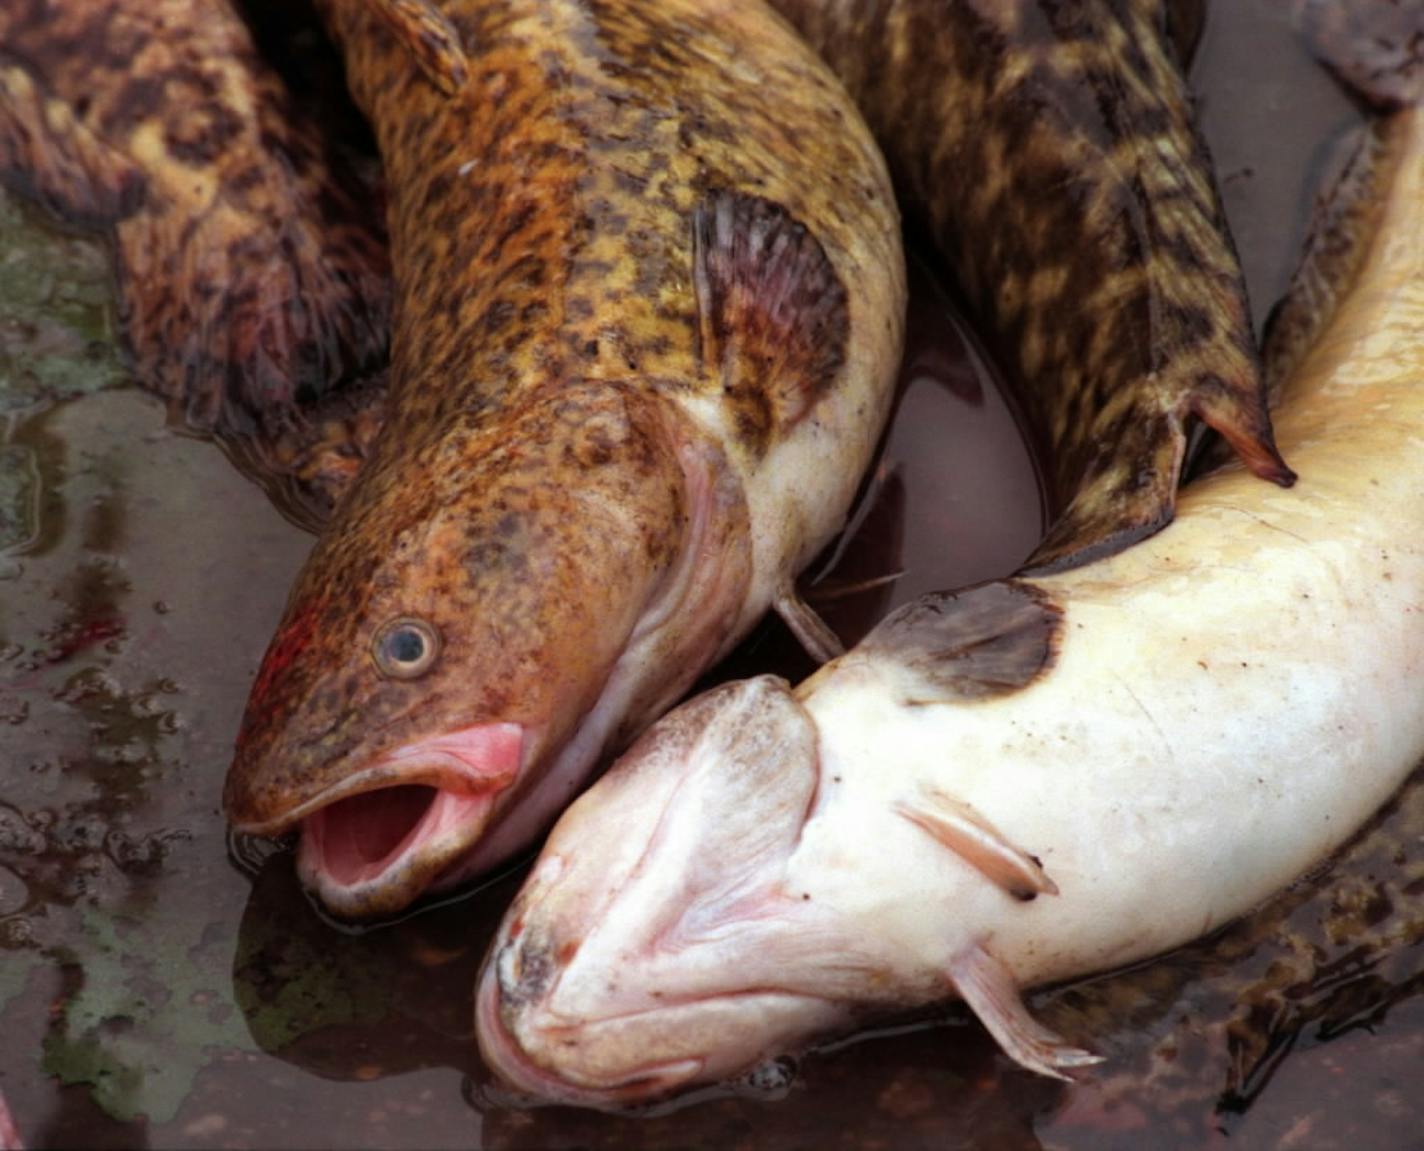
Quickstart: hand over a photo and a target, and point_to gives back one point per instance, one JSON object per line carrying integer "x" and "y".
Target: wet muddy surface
{"x": 156, "y": 990}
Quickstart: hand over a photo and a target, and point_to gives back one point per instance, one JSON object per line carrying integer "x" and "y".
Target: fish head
{"x": 449, "y": 638}
{"x": 660, "y": 941}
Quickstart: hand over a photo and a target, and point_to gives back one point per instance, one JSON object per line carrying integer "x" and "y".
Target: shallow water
{"x": 155, "y": 993}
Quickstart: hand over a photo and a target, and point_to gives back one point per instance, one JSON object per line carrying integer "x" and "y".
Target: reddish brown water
{"x": 153, "y": 994}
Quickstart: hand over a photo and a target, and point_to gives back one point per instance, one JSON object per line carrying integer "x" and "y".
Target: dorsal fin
{"x": 1334, "y": 252}
{"x": 975, "y": 644}
{"x": 1375, "y": 49}
{"x": 959, "y": 827}
{"x": 430, "y": 38}
{"x": 814, "y": 634}
{"x": 771, "y": 312}
{"x": 988, "y": 987}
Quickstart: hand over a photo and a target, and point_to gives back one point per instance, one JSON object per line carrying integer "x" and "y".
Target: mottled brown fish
{"x": 646, "y": 327}
{"x": 1048, "y": 148}
{"x": 252, "y": 274}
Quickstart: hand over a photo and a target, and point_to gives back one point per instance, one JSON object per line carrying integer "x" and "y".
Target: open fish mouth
{"x": 358, "y": 852}
{"x": 373, "y": 842}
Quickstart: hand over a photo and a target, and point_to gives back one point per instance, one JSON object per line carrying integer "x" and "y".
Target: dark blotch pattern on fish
{"x": 558, "y": 319}
{"x": 1049, "y": 149}
{"x": 251, "y": 268}
{"x": 981, "y": 643}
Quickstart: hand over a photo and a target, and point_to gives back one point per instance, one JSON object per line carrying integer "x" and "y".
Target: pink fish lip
{"x": 508, "y": 1059}
{"x": 445, "y": 762}
{"x": 376, "y": 840}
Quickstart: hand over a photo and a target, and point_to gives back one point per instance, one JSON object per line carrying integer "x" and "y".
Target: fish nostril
{"x": 525, "y": 972}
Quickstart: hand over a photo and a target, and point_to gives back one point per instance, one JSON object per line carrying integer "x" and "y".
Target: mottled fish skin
{"x": 645, "y": 334}
{"x": 252, "y": 273}
{"x": 1026, "y": 781}
{"x": 1048, "y": 148}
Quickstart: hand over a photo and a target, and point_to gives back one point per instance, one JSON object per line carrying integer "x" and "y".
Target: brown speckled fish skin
{"x": 559, "y": 362}
{"x": 251, "y": 267}
{"x": 1048, "y": 148}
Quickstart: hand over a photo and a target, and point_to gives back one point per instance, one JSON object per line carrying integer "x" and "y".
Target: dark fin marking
{"x": 959, "y": 827}
{"x": 988, "y": 641}
{"x": 989, "y": 989}
{"x": 430, "y": 38}
{"x": 811, "y": 631}
{"x": 771, "y": 313}
{"x": 1375, "y": 47}
{"x": 1334, "y": 253}
{"x": 49, "y": 156}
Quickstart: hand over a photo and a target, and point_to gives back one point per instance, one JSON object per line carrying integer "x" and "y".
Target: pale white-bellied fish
{"x": 1029, "y": 780}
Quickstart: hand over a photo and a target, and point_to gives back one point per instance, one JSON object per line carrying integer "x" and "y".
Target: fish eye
{"x": 405, "y": 648}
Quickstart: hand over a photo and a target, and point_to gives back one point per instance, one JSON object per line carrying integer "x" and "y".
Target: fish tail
{"x": 1245, "y": 426}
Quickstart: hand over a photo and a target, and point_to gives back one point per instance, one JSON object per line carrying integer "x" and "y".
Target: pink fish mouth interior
{"x": 405, "y": 834}
{"x": 360, "y": 836}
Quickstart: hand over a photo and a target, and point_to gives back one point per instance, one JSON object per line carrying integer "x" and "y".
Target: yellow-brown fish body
{"x": 252, "y": 281}
{"x": 648, "y": 311}
{"x": 1048, "y": 148}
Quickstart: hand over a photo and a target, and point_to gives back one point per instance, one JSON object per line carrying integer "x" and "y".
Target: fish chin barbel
{"x": 1026, "y": 781}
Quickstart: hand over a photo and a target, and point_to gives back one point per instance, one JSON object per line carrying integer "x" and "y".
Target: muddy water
{"x": 155, "y": 993}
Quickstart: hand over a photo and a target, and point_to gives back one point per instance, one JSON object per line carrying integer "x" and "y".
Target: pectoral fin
{"x": 989, "y": 989}
{"x": 813, "y": 633}
{"x": 979, "y": 643}
{"x": 430, "y": 38}
{"x": 771, "y": 313}
{"x": 979, "y": 843}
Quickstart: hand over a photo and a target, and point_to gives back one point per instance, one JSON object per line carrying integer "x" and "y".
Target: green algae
{"x": 57, "y": 327}
{"x": 153, "y": 1007}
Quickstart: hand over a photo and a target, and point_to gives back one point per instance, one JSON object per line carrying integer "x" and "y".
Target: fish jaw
{"x": 362, "y": 852}
{"x": 649, "y": 949}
